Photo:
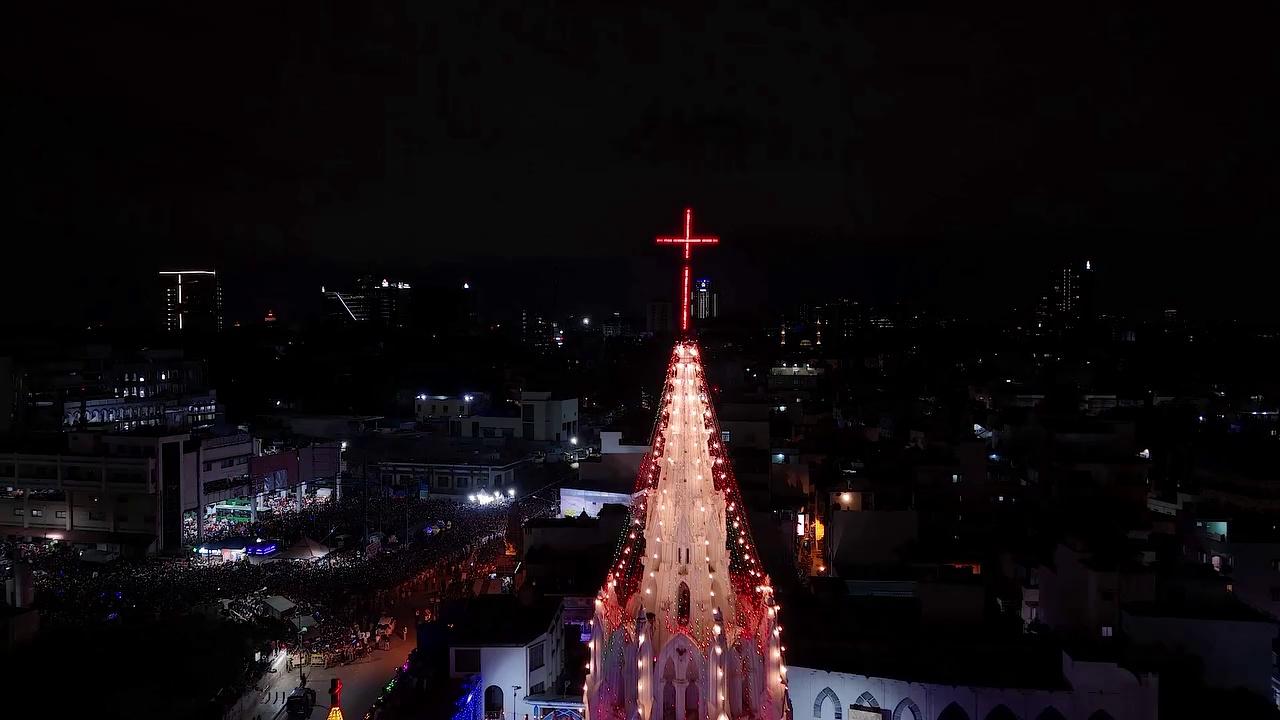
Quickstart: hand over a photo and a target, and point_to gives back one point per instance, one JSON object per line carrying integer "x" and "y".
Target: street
{"x": 362, "y": 681}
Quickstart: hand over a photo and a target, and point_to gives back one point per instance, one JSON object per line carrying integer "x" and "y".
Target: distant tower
{"x": 706, "y": 304}
{"x": 192, "y": 301}
{"x": 658, "y": 317}
{"x": 1066, "y": 291}
{"x": 1072, "y": 300}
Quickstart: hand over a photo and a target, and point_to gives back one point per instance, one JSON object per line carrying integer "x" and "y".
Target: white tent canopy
{"x": 305, "y": 549}
{"x": 279, "y": 605}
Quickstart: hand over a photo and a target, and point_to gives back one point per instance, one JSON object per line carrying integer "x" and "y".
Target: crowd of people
{"x": 340, "y": 587}
{"x": 283, "y": 505}
{"x": 342, "y": 595}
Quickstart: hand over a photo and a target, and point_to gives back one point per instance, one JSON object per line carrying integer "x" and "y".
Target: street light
{"x": 573, "y": 440}
{"x": 514, "y": 689}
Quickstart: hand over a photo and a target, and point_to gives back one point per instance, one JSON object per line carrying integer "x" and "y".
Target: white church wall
{"x": 903, "y": 700}
{"x": 575, "y": 501}
{"x": 506, "y": 667}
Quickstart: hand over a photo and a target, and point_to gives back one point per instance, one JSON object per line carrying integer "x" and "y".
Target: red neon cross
{"x": 688, "y": 241}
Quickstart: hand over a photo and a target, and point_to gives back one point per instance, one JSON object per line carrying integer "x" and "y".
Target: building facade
{"x": 541, "y": 418}
{"x": 706, "y": 303}
{"x": 373, "y": 302}
{"x": 488, "y": 474}
{"x": 129, "y": 491}
{"x": 659, "y": 317}
{"x": 99, "y": 387}
{"x": 545, "y": 419}
{"x": 1097, "y": 691}
{"x": 523, "y": 671}
{"x": 98, "y": 492}
{"x": 192, "y": 301}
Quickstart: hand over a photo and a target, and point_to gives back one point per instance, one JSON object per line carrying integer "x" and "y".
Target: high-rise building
{"x": 101, "y": 387}
{"x": 344, "y": 307}
{"x": 1066, "y": 291}
{"x": 192, "y": 301}
{"x": 706, "y": 304}
{"x": 615, "y": 326}
{"x": 376, "y": 302}
{"x": 1071, "y": 302}
{"x": 837, "y": 320}
{"x": 686, "y": 624}
{"x": 658, "y": 317}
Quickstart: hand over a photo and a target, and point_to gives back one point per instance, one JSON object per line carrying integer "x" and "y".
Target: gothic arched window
{"x": 907, "y": 710}
{"x": 682, "y": 604}
{"x": 1001, "y": 712}
{"x": 826, "y": 694}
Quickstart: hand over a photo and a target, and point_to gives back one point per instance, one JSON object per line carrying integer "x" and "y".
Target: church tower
{"x": 686, "y": 626}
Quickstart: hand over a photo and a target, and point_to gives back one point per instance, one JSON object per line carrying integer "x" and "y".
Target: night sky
{"x": 936, "y": 150}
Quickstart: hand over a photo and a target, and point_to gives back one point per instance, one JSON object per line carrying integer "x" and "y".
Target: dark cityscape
{"x": 572, "y": 361}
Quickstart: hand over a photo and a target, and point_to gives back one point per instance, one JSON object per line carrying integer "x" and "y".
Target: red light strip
{"x": 687, "y": 241}
{"x": 684, "y": 297}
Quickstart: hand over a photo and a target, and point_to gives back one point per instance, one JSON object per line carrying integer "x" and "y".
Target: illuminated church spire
{"x": 686, "y": 625}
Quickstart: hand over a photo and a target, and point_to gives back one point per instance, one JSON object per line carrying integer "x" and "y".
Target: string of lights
{"x": 685, "y": 407}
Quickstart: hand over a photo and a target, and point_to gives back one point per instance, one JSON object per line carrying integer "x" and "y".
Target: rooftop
{"x": 497, "y": 620}
{"x": 898, "y": 649}
{"x": 425, "y": 449}
{"x": 1228, "y": 609}
{"x": 619, "y": 483}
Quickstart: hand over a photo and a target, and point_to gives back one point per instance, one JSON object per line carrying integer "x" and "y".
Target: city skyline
{"x": 908, "y": 144}
{"x": 581, "y": 361}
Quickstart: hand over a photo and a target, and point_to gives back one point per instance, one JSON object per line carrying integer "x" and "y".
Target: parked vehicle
{"x": 300, "y": 702}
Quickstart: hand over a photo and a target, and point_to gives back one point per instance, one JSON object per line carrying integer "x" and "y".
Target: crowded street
{"x": 336, "y": 625}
